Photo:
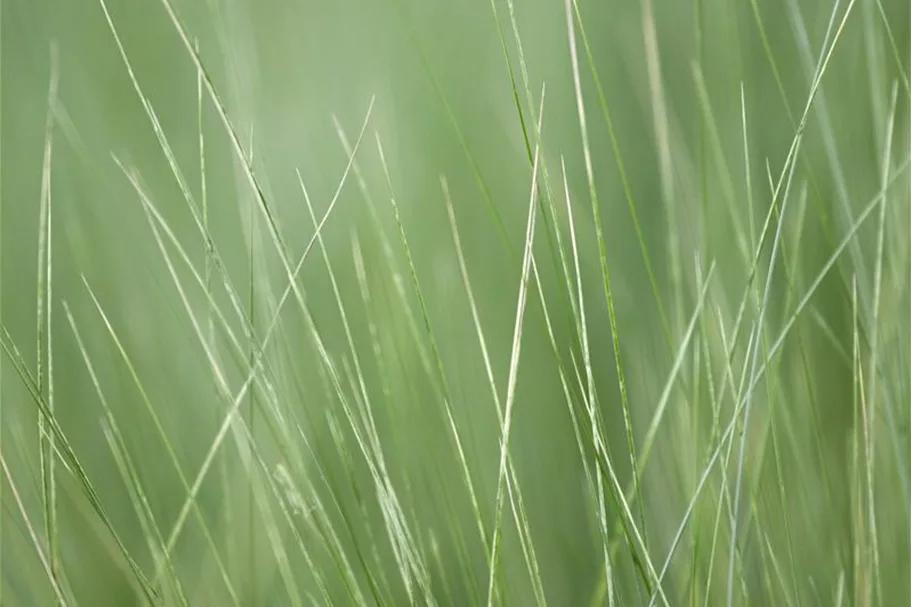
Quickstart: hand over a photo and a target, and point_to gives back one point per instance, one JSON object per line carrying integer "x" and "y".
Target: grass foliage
{"x": 394, "y": 302}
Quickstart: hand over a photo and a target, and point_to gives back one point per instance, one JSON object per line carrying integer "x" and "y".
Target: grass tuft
{"x": 654, "y": 350}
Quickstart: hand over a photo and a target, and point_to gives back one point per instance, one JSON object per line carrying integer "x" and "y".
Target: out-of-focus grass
{"x": 484, "y": 302}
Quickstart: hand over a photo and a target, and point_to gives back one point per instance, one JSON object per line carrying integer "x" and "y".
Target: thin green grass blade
{"x": 126, "y": 466}
{"x": 292, "y": 285}
{"x": 824, "y": 60}
{"x": 873, "y": 373}
{"x": 512, "y": 484}
{"x": 33, "y": 535}
{"x": 624, "y": 178}
{"x": 70, "y": 461}
{"x": 127, "y": 360}
{"x": 44, "y": 347}
{"x": 513, "y": 376}
{"x": 605, "y": 276}
{"x": 435, "y": 352}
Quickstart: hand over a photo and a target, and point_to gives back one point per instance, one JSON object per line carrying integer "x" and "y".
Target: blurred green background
{"x": 284, "y": 70}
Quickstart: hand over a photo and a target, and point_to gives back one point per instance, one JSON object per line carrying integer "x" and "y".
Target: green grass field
{"x": 489, "y": 302}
